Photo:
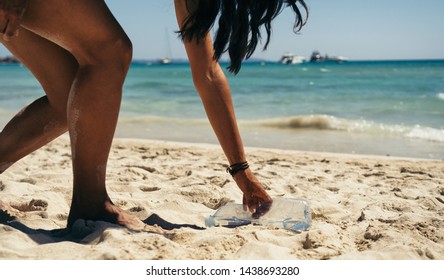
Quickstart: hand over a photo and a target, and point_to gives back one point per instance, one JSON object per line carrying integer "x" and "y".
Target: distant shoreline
{"x": 9, "y": 60}
{"x": 258, "y": 60}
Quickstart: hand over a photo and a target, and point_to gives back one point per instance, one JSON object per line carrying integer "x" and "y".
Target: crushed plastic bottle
{"x": 288, "y": 213}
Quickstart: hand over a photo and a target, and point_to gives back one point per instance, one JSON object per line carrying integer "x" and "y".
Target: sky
{"x": 356, "y": 29}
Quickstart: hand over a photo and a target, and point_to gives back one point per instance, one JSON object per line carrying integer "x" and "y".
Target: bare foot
{"x": 112, "y": 214}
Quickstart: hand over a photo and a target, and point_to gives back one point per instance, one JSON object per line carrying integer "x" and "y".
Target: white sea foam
{"x": 427, "y": 133}
{"x": 320, "y": 122}
{"x": 326, "y": 122}
{"x": 440, "y": 95}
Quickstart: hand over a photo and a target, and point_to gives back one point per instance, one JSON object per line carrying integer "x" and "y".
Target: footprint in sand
{"x": 33, "y": 205}
{"x": 146, "y": 168}
{"x": 28, "y": 180}
{"x": 372, "y": 234}
{"x": 149, "y": 189}
{"x": 215, "y": 204}
{"x": 139, "y": 211}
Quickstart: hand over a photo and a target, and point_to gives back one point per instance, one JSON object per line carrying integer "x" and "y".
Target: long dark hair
{"x": 239, "y": 24}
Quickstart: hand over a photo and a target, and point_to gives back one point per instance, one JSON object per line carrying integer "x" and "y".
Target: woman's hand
{"x": 255, "y": 198}
{"x": 11, "y": 13}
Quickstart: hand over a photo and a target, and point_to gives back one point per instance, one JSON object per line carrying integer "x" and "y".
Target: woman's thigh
{"x": 86, "y": 28}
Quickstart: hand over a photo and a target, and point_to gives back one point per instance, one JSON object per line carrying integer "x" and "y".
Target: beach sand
{"x": 363, "y": 207}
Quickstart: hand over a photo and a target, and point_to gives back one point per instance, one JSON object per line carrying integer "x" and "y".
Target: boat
{"x": 317, "y": 57}
{"x": 289, "y": 58}
{"x": 164, "y": 61}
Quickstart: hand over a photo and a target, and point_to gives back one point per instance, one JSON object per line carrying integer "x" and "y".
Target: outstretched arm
{"x": 213, "y": 88}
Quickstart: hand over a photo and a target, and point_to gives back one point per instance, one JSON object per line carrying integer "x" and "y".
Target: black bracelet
{"x": 236, "y": 167}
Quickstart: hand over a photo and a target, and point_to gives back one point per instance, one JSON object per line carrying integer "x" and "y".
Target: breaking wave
{"x": 326, "y": 122}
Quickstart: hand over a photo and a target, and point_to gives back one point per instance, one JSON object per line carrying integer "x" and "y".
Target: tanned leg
{"x": 44, "y": 119}
{"x": 87, "y": 29}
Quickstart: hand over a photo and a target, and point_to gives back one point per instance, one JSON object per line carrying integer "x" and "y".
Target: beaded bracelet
{"x": 236, "y": 167}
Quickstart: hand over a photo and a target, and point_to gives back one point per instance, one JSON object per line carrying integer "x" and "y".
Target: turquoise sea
{"x": 391, "y": 108}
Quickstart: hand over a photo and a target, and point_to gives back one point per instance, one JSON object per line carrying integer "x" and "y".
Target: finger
{"x": 3, "y": 26}
{"x": 252, "y": 203}
{"x": 244, "y": 203}
{"x": 3, "y": 21}
{"x": 262, "y": 209}
{"x": 11, "y": 29}
{"x": 5, "y": 38}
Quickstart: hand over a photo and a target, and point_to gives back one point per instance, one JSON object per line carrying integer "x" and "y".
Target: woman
{"x": 238, "y": 33}
{"x": 81, "y": 61}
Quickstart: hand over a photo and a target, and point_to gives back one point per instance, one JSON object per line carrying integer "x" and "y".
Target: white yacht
{"x": 317, "y": 57}
{"x": 164, "y": 60}
{"x": 289, "y": 58}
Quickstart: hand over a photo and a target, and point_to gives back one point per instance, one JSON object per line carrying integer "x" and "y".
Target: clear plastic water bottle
{"x": 288, "y": 213}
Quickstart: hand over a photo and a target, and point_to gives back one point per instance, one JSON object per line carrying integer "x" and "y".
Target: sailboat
{"x": 166, "y": 60}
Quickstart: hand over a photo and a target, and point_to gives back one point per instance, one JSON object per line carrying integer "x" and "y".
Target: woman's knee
{"x": 121, "y": 51}
{"x": 113, "y": 52}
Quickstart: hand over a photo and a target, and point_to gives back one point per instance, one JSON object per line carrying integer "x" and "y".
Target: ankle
{"x": 90, "y": 199}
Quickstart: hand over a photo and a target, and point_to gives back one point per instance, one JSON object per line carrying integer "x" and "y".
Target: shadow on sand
{"x": 82, "y": 231}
